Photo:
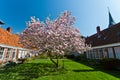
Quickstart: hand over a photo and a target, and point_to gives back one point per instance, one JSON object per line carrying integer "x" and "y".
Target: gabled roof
{"x": 106, "y": 36}
{"x": 8, "y": 38}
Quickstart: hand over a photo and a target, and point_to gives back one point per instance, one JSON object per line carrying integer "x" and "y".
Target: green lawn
{"x": 44, "y": 70}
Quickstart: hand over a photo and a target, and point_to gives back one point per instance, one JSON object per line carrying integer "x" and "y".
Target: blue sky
{"x": 88, "y": 13}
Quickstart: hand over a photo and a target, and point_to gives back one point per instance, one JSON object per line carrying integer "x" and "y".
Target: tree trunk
{"x": 55, "y": 62}
{"x": 63, "y": 62}
{"x": 57, "y": 65}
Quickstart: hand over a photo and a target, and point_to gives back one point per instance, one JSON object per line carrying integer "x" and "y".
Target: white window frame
{"x": 2, "y": 51}
{"x": 8, "y": 53}
{"x": 14, "y": 52}
{"x": 110, "y": 52}
{"x": 117, "y": 52}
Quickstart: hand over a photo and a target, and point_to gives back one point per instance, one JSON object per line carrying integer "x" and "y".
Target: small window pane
{"x": 1, "y": 52}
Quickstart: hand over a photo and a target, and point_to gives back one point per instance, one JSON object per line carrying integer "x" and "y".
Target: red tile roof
{"x": 106, "y": 36}
{"x": 8, "y": 38}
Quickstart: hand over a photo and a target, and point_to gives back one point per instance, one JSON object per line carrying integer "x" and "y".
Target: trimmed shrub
{"x": 93, "y": 62}
{"x": 30, "y": 59}
{"x": 110, "y": 63}
{"x": 22, "y": 60}
{"x": 80, "y": 57}
{"x": 42, "y": 56}
{"x": 10, "y": 64}
{"x": 71, "y": 56}
{"x": 45, "y": 56}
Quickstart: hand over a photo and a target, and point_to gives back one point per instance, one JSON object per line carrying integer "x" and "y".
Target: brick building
{"x": 10, "y": 49}
{"x": 105, "y": 43}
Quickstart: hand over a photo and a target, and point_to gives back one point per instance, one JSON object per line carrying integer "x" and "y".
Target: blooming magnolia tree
{"x": 54, "y": 37}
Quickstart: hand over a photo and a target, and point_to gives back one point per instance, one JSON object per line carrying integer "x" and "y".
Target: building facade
{"x": 10, "y": 48}
{"x": 105, "y": 43}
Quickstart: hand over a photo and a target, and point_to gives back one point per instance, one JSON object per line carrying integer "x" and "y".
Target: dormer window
{"x": 105, "y": 38}
{"x": 99, "y": 36}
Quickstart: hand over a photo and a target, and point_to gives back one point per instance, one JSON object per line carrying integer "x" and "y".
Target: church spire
{"x": 111, "y": 21}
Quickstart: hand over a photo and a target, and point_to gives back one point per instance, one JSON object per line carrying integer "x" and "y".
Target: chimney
{"x": 9, "y": 29}
{"x": 98, "y": 29}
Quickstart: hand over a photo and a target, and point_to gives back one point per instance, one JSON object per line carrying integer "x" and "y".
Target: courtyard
{"x": 43, "y": 69}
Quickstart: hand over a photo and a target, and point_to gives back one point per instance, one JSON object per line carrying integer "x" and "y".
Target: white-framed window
{"x": 87, "y": 54}
{"x": 23, "y": 54}
{"x": 105, "y": 52}
{"x": 98, "y": 51}
{"x": 8, "y": 53}
{"x": 95, "y": 53}
{"x": 101, "y": 53}
{"x": 117, "y": 52}
{"x": 1, "y": 52}
{"x": 110, "y": 52}
{"x": 13, "y": 53}
{"x": 19, "y": 54}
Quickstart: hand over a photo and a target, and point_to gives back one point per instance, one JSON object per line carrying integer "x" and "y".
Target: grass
{"x": 44, "y": 70}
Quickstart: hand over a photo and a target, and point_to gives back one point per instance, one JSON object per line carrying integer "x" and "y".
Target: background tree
{"x": 54, "y": 37}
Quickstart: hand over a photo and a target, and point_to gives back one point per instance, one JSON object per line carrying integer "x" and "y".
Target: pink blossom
{"x": 57, "y": 36}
